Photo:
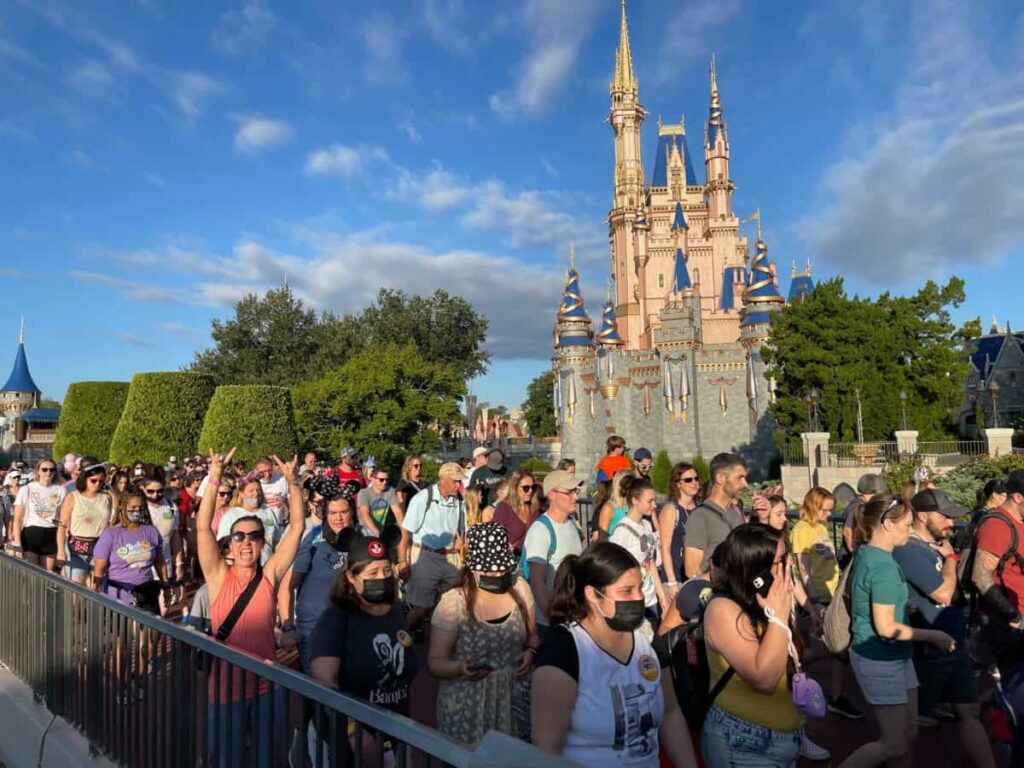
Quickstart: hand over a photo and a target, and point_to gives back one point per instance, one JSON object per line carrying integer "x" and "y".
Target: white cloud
{"x": 258, "y": 133}
{"x": 191, "y": 91}
{"x": 411, "y": 132}
{"x": 557, "y": 31}
{"x": 435, "y": 190}
{"x": 11, "y": 50}
{"x": 691, "y": 35}
{"x": 549, "y": 167}
{"x": 86, "y": 162}
{"x": 154, "y": 178}
{"x": 179, "y": 330}
{"x": 383, "y": 40}
{"x": 939, "y": 181}
{"x": 342, "y": 160}
{"x": 528, "y": 218}
{"x": 134, "y": 290}
{"x": 444, "y": 21}
{"x": 135, "y": 341}
{"x": 243, "y": 29}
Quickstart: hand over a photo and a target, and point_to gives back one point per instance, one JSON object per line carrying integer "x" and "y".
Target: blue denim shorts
{"x": 729, "y": 742}
{"x": 884, "y": 683}
{"x": 78, "y": 566}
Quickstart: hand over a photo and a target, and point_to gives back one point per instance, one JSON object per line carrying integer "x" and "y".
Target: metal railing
{"x": 149, "y": 692}
{"x": 942, "y": 453}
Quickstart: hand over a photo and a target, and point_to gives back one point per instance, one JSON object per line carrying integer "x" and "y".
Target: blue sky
{"x": 160, "y": 159}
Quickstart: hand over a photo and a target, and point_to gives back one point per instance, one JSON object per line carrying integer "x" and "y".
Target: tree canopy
{"x": 276, "y": 339}
{"x": 386, "y": 400}
{"x": 841, "y": 345}
{"x": 539, "y": 406}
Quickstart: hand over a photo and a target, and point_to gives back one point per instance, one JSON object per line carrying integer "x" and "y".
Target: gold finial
{"x": 624, "y": 79}
{"x": 760, "y": 236}
{"x": 714, "y": 76}
{"x": 21, "y": 333}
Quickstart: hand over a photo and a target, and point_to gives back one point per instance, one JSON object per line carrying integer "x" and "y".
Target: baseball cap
{"x": 360, "y": 548}
{"x": 480, "y": 450}
{"x": 560, "y": 480}
{"x": 1015, "y": 482}
{"x": 872, "y": 484}
{"x": 347, "y": 452}
{"x": 452, "y": 471}
{"x": 935, "y": 500}
{"x": 14, "y": 475}
{"x": 172, "y": 459}
{"x": 994, "y": 486}
{"x": 641, "y": 454}
{"x": 693, "y": 595}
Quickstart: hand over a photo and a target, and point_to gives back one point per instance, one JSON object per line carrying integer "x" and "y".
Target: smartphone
{"x": 764, "y": 580}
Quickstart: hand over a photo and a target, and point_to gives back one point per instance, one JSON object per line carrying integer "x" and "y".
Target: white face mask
{"x": 250, "y": 502}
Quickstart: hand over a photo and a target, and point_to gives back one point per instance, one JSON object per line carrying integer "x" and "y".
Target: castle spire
{"x": 716, "y": 125}
{"x": 20, "y": 379}
{"x": 609, "y": 333}
{"x": 624, "y": 79}
{"x": 762, "y": 292}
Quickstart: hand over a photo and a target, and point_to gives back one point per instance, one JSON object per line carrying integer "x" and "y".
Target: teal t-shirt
{"x": 876, "y": 578}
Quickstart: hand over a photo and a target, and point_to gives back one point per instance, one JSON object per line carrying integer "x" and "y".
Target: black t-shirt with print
{"x": 408, "y": 490}
{"x": 484, "y": 479}
{"x": 378, "y": 660}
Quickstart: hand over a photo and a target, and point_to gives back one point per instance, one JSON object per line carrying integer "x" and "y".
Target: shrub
{"x": 660, "y": 471}
{"x": 536, "y": 466}
{"x": 257, "y": 419}
{"x": 701, "y": 465}
{"x": 428, "y": 472}
{"x": 87, "y": 420}
{"x": 162, "y": 416}
{"x": 964, "y": 484}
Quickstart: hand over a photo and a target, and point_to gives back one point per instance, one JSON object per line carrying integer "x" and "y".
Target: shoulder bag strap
{"x": 720, "y": 685}
{"x": 239, "y": 607}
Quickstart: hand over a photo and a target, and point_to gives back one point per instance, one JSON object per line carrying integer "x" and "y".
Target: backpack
{"x": 682, "y": 649}
{"x": 836, "y": 623}
{"x": 967, "y": 592}
{"x": 524, "y": 566}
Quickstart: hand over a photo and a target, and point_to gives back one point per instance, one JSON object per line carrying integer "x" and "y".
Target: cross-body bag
{"x": 239, "y": 607}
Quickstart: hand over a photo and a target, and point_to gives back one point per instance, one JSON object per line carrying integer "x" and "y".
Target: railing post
{"x": 999, "y": 441}
{"x": 906, "y": 442}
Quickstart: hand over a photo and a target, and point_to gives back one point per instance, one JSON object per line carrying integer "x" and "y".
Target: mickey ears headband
{"x": 361, "y": 549}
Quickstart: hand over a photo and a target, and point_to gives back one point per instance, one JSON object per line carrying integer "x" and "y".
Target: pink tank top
{"x": 253, "y": 633}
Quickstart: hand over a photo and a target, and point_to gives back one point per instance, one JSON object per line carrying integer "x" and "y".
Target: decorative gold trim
{"x": 609, "y": 391}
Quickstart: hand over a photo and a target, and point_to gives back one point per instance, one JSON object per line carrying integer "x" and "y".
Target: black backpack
{"x": 967, "y": 592}
{"x": 682, "y": 650}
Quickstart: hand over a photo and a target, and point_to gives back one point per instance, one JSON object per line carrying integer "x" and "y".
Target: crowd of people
{"x": 669, "y": 630}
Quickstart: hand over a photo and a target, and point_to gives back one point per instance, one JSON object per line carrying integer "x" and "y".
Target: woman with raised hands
{"x": 253, "y": 629}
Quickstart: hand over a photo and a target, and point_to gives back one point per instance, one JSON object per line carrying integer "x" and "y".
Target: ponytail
{"x": 868, "y": 516}
{"x": 632, "y": 486}
{"x": 600, "y": 565}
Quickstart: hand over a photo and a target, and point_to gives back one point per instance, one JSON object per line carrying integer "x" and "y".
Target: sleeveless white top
{"x": 619, "y": 707}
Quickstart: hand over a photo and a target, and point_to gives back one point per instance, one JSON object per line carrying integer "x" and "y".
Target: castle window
{"x": 661, "y": 281}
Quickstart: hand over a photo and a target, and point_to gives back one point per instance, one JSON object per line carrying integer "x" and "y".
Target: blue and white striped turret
{"x": 573, "y": 327}
{"x": 609, "y": 333}
{"x": 762, "y": 294}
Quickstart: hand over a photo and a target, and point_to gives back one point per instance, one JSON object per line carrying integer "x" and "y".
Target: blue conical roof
{"x": 666, "y": 143}
{"x": 679, "y": 220}
{"x": 609, "y": 333}
{"x": 20, "y": 379}
{"x": 572, "y": 301}
{"x": 681, "y": 275}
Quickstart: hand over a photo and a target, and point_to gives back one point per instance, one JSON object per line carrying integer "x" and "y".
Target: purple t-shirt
{"x": 514, "y": 527}
{"x": 130, "y": 555}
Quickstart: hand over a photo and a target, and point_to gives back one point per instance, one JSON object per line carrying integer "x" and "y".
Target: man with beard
{"x": 929, "y": 565}
{"x": 642, "y": 463}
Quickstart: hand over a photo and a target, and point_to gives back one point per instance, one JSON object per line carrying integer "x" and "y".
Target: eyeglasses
{"x": 239, "y": 536}
{"x": 694, "y": 479}
{"x": 47, "y": 470}
{"x": 528, "y": 488}
{"x": 570, "y": 492}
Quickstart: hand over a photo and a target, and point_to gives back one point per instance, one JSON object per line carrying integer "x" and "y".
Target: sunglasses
{"x": 528, "y": 488}
{"x": 225, "y": 493}
{"x": 153, "y": 491}
{"x": 94, "y": 479}
{"x": 693, "y": 479}
{"x": 239, "y": 536}
{"x": 416, "y": 466}
{"x": 48, "y": 470}
{"x": 380, "y": 479}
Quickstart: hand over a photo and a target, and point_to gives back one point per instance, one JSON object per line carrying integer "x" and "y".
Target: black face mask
{"x": 497, "y": 585}
{"x": 332, "y": 538}
{"x": 378, "y": 591}
{"x": 628, "y": 616}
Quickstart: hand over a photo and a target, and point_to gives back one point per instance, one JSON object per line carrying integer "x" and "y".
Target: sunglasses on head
{"x": 239, "y": 536}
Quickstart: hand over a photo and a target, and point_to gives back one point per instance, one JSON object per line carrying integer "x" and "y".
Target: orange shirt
{"x": 253, "y": 633}
{"x": 611, "y": 464}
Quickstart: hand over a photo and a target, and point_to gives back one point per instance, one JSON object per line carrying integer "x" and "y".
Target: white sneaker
{"x": 812, "y": 751}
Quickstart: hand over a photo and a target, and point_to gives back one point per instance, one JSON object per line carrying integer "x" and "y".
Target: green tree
{"x": 539, "y": 406}
{"x": 387, "y": 400}
{"x": 255, "y": 419}
{"x": 89, "y": 416}
{"x": 843, "y": 346}
{"x": 660, "y": 471}
{"x": 162, "y": 416}
{"x": 275, "y": 339}
{"x": 444, "y": 328}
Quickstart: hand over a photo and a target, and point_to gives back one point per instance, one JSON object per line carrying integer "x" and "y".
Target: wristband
{"x": 954, "y": 557}
{"x": 531, "y": 649}
{"x": 213, "y": 483}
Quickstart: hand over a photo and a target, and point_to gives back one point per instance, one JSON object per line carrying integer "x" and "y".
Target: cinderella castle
{"x": 676, "y": 363}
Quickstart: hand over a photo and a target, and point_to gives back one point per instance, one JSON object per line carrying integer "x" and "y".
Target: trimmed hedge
{"x": 256, "y": 419}
{"x": 89, "y": 415}
{"x": 536, "y": 466}
{"x": 660, "y": 472}
{"x": 162, "y": 417}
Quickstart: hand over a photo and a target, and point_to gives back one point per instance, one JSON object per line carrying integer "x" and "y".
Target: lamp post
{"x": 903, "y": 408}
{"x": 993, "y": 392}
{"x": 813, "y": 423}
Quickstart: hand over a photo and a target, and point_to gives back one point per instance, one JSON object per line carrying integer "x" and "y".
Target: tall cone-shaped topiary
{"x": 257, "y": 419}
{"x": 162, "y": 417}
{"x": 88, "y": 416}
{"x": 660, "y": 471}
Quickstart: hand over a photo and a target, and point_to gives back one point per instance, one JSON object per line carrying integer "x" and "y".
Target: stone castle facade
{"x": 676, "y": 362}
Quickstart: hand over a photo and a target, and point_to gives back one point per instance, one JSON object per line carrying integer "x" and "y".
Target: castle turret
{"x": 801, "y": 284}
{"x": 609, "y": 333}
{"x": 761, "y": 296}
{"x": 20, "y": 392}
{"x": 572, "y": 327}
{"x": 719, "y": 185}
